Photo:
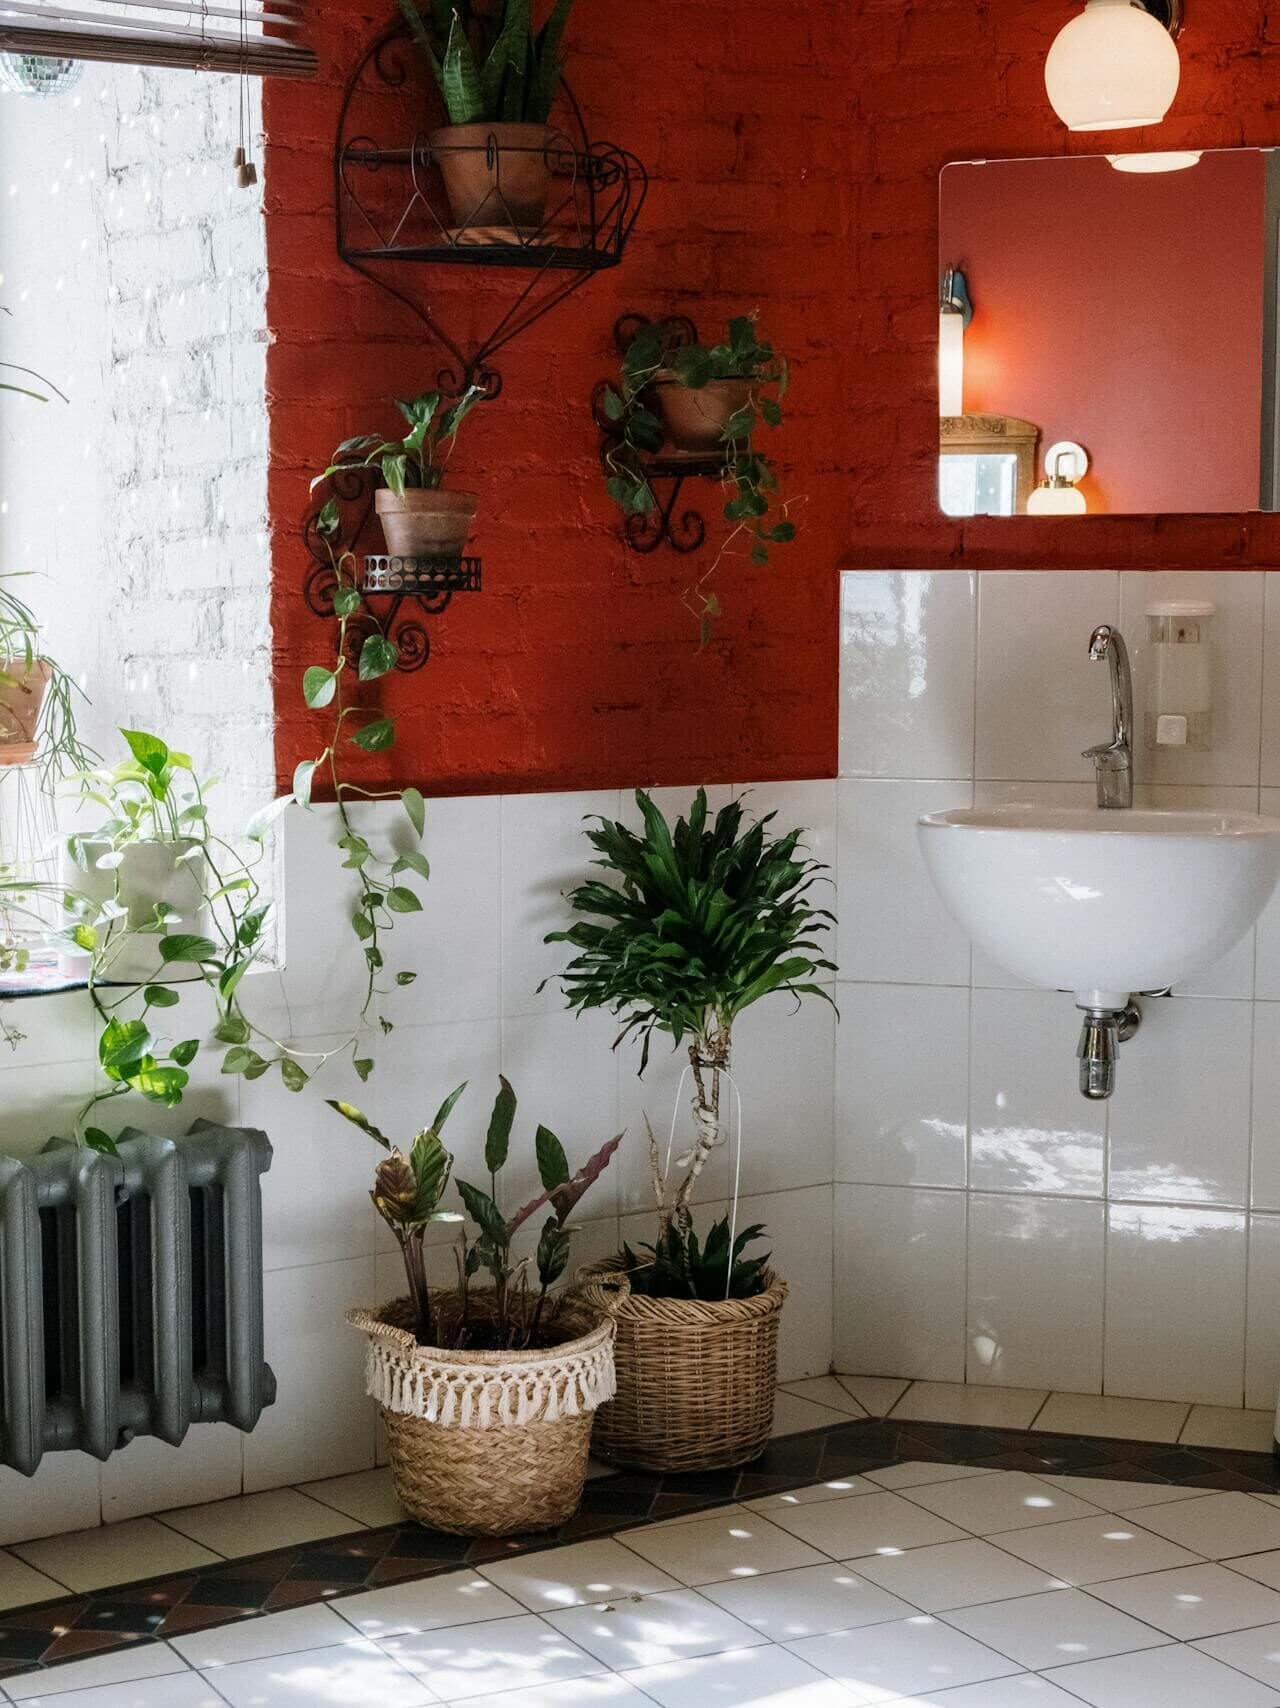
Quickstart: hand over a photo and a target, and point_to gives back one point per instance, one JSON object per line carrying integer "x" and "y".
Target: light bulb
{"x": 1114, "y": 67}
{"x": 950, "y": 362}
{"x": 1178, "y": 160}
{"x": 1057, "y": 498}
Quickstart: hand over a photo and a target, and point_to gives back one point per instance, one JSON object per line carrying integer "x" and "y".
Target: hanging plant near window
{"x": 702, "y": 403}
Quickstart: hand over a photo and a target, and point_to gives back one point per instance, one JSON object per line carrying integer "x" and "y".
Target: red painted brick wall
{"x": 795, "y": 151}
{"x": 577, "y": 665}
{"x": 940, "y": 80}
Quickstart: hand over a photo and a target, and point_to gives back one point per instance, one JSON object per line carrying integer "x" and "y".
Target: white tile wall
{"x": 990, "y": 1224}
{"x": 499, "y": 870}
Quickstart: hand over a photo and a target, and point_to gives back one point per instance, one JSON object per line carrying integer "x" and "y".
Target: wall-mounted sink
{"x": 1102, "y": 903}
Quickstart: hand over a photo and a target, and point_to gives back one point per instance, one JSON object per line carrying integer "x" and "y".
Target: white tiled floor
{"x": 920, "y": 1586}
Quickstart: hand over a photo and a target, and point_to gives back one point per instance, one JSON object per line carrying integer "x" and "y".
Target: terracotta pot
{"x": 426, "y": 523}
{"x": 495, "y": 174}
{"x": 22, "y": 690}
{"x": 695, "y": 420}
{"x": 150, "y": 872}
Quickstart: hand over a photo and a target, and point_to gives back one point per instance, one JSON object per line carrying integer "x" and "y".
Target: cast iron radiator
{"x": 131, "y": 1292}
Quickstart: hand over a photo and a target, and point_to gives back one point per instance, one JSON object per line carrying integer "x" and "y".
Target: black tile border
{"x": 75, "y": 1627}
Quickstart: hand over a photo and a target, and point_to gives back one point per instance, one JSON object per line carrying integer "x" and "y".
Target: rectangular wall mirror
{"x": 1107, "y": 334}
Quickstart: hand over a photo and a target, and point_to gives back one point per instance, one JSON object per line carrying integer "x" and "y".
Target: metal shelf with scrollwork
{"x": 393, "y": 209}
{"x": 666, "y": 472}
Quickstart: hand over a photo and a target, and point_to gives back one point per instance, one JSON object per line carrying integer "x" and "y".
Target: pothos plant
{"x": 408, "y": 1191}
{"x": 416, "y": 460}
{"x": 758, "y": 516}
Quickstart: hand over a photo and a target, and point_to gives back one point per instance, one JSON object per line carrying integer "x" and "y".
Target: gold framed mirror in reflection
{"x": 1123, "y": 306}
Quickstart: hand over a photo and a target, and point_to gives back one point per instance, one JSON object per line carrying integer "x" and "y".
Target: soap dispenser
{"x": 1180, "y": 678}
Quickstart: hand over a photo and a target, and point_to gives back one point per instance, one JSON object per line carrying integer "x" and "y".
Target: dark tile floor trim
{"x": 129, "y": 1614}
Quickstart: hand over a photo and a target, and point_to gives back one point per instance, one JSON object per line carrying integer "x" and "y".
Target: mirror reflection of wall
{"x": 1127, "y": 308}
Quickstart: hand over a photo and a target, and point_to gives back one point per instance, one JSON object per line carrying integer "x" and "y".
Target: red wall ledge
{"x": 1093, "y": 542}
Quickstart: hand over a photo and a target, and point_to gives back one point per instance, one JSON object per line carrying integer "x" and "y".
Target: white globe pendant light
{"x": 1115, "y": 66}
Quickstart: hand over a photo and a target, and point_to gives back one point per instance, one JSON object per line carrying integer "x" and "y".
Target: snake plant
{"x": 491, "y": 70}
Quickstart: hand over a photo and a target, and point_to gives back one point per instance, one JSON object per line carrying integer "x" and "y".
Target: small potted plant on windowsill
{"x": 420, "y": 517}
{"x": 37, "y": 697}
{"x": 701, "y": 921}
{"x": 487, "y": 1393}
{"x": 498, "y": 78}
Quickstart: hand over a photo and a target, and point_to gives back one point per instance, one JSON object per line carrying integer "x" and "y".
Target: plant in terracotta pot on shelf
{"x": 498, "y": 77}
{"x": 420, "y": 517}
{"x": 701, "y": 404}
{"x": 487, "y": 1391}
{"x": 37, "y": 697}
{"x": 688, "y": 926}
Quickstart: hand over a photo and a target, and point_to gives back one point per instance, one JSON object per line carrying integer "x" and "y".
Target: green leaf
{"x": 302, "y": 778}
{"x": 497, "y": 1143}
{"x": 294, "y": 1076}
{"x": 329, "y": 518}
{"x": 243, "y": 1061}
{"x": 460, "y": 78}
{"x": 413, "y": 862}
{"x": 416, "y": 807}
{"x": 612, "y": 405}
{"x": 484, "y": 1212}
{"x": 553, "y": 1164}
{"x": 185, "y": 1052}
{"x": 378, "y": 655}
{"x": 401, "y": 900}
{"x": 363, "y": 1066}
{"x": 229, "y": 980}
{"x": 123, "y": 1043}
{"x": 265, "y": 817}
{"x": 318, "y": 686}
{"x": 446, "y": 1108}
{"x": 349, "y": 1112}
{"x": 150, "y": 752}
{"x": 405, "y": 978}
{"x": 186, "y": 946}
{"x": 101, "y": 1142}
{"x": 431, "y": 1164}
{"x": 346, "y": 601}
{"x": 160, "y": 996}
{"x": 376, "y": 736}
{"x": 162, "y": 1085}
{"x": 232, "y": 1029}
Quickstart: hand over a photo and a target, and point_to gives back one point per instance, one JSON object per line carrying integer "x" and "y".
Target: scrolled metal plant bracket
{"x": 385, "y": 583}
{"x": 389, "y": 212}
{"x": 684, "y": 531}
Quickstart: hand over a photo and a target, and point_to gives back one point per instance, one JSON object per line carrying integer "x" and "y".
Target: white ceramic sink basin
{"x": 1102, "y": 903}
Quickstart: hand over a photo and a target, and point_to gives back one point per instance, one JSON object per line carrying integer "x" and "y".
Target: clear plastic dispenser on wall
{"x": 1180, "y": 688}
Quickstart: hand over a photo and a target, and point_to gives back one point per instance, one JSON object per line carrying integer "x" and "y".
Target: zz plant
{"x": 488, "y": 70}
{"x": 408, "y": 1191}
{"x": 687, "y": 927}
{"x": 746, "y": 471}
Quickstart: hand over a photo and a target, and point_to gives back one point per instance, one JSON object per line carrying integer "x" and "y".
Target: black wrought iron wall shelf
{"x": 395, "y": 217}
{"x": 685, "y": 530}
{"x": 396, "y": 592}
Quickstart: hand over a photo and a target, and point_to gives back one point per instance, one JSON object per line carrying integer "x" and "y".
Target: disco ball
{"x": 34, "y": 74}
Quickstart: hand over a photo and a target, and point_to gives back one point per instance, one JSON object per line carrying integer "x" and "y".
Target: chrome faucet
{"x": 1113, "y": 760}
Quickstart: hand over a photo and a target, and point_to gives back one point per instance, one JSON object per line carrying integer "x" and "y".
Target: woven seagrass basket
{"x": 488, "y": 1443}
{"x": 696, "y": 1378}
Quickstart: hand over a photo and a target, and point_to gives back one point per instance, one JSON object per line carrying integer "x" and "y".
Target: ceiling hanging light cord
{"x": 246, "y": 171}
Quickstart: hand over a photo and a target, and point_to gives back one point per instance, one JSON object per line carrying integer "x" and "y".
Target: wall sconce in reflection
{"x": 1058, "y": 495}
{"x": 1115, "y": 66}
{"x": 955, "y": 311}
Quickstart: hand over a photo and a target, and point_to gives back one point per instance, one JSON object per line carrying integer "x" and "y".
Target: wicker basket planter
{"x": 488, "y": 1443}
{"x": 695, "y": 1379}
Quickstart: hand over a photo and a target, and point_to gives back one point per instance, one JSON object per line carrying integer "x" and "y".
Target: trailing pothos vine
{"x": 382, "y": 894}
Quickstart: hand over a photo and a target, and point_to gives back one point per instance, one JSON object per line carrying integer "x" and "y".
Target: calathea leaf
{"x": 498, "y": 1139}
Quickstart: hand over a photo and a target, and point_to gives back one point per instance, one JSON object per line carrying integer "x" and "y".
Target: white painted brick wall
{"x": 138, "y": 285}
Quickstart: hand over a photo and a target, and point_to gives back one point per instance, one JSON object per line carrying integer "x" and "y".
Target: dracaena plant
{"x": 490, "y": 69}
{"x": 690, "y": 925}
{"x": 409, "y": 1187}
{"x": 758, "y": 517}
{"x": 420, "y": 457}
